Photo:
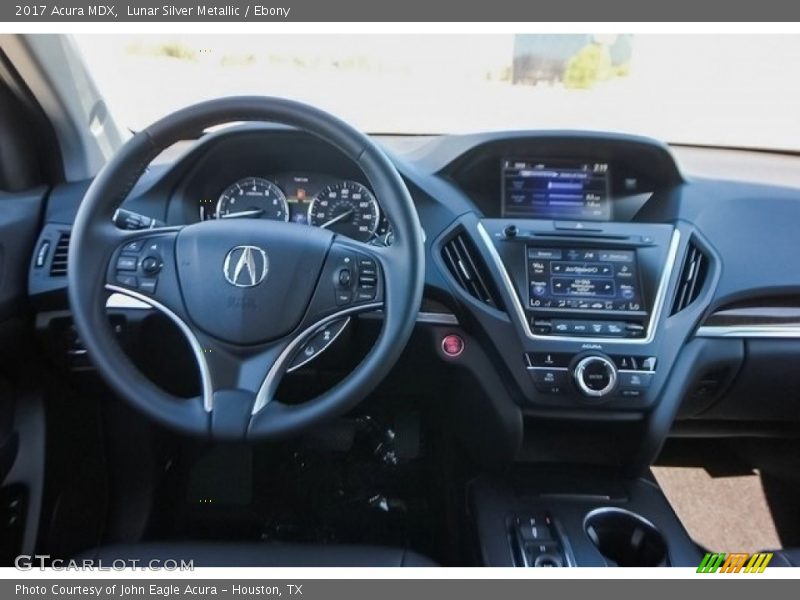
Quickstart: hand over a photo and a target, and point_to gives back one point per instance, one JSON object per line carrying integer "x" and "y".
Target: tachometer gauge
{"x": 347, "y": 208}
{"x": 254, "y": 198}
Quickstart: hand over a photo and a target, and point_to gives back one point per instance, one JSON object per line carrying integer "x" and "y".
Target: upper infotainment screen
{"x": 535, "y": 189}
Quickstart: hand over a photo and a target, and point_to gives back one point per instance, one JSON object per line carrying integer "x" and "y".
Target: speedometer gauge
{"x": 255, "y": 198}
{"x": 347, "y": 208}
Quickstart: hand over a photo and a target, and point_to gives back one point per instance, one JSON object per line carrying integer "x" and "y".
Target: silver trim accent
{"x": 312, "y": 357}
{"x": 748, "y": 331}
{"x": 612, "y": 376}
{"x": 267, "y": 389}
{"x": 437, "y": 318}
{"x": 519, "y": 311}
{"x": 205, "y": 374}
{"x": 117, "y": 300}
{"x": 433, "y": 318}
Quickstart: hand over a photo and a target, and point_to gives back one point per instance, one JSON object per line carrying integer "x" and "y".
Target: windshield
{"x": 725, "y": 90}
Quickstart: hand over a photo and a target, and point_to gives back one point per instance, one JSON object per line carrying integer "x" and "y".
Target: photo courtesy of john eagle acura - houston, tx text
{"x": 465, "y": 300}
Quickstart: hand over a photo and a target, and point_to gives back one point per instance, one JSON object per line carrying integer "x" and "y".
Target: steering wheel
{"x": 247, "y": 294}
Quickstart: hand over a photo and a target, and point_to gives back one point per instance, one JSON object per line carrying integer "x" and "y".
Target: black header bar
{"x": 465, "y": 11}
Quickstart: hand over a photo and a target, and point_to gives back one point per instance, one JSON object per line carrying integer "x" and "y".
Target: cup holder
{"x": 626, "y": 539}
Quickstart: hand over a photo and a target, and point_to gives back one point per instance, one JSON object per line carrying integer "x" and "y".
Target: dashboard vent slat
{"x": 58, "y": 266}
{"x": 465, "y": 265}
{"x": 692, "y": 278}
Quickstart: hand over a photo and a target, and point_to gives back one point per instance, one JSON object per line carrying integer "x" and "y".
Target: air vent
{"x": 465, "y": 265}
{"x": 693, "y": 275}
{"x": 58, "y": 267}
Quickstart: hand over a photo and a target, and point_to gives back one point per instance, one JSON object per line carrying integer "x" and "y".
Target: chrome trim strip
{"x": 117, "y": 300}
{"x": 437, "y": 318}
{"x": 748, "y": 331}
{"x": 328, "y": 345}
{"x": 547, "y": 368}
{"x": 270, "y": 384}
{"x": 522, "y": 318}
{"x": 431, "y": 318}
{"x": 605, "y": 510}
{"x": 205, "y": 374}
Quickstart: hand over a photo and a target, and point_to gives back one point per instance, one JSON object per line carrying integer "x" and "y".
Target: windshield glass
{"x": 726, "y": 90}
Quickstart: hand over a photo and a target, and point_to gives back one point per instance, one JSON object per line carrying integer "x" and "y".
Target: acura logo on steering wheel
{"x": 245, "y": 266}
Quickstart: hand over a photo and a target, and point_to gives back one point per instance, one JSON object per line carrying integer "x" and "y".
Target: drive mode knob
{"x": 595, "y": 376}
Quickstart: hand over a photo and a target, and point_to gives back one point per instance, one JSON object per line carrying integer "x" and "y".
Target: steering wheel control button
{"x": 148, "y": 285}
{"x": 453, "y": 345}
{"x": 343, "y": 297}
{"x": 318, "y": 343}
{"x": 345, "y": 278}
{"x": 595, "y": 376}
{"x": 128, "y": 281}
{"x": 134, "y": 247}
{"x": 151, "y": 265}
{"x": 126, "y": 263}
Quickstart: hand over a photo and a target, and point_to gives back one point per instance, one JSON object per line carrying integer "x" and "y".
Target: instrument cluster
{"x": 346, "y": 207}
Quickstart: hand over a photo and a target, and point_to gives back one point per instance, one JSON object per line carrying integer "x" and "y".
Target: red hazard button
{"x": 452, "y": 345}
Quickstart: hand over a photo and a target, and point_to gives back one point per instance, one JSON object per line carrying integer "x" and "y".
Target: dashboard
{"x": 584, "y": 274}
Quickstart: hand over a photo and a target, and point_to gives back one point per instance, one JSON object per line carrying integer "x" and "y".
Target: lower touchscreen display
{"x": 583, "y": 279}
{"x": 535, "y": 189}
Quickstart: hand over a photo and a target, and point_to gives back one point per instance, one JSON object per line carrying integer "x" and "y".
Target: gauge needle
{"x": 243, "y": 213}
{"x": 337, "y": 218}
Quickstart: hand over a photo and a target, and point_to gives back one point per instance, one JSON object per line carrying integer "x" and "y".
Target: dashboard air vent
{"x": 466, "y": 266}
{"x": 58, "y": 267}
{"x": 693, "y": 275}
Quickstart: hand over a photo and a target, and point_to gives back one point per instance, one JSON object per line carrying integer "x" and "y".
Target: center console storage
{"x": 543, "y": 517}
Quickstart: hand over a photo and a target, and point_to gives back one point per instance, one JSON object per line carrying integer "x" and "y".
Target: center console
{"x": 567, "y": 517}
{"x": 587, "y": 298}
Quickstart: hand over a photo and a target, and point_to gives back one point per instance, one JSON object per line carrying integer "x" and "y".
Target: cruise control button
{"x": 148, "y": 285}
{"x": 126, "y": 263}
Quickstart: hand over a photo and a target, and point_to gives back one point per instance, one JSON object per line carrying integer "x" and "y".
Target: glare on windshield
{"x": 729, "y": 90}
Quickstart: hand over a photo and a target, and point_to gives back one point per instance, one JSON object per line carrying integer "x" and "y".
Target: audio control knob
{"x": 595, "y": 376}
